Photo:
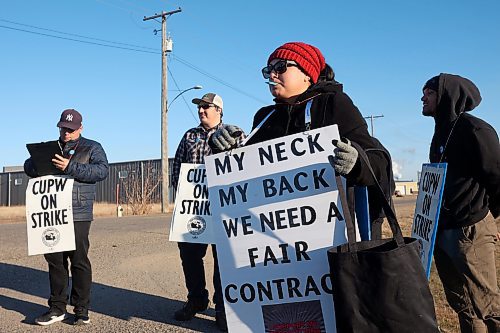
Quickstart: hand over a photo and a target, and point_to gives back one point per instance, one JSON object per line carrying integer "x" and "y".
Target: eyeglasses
{"x": 279, "y": 68}
{"x": 205, "y": 106}
{"x": 65, "y": 129}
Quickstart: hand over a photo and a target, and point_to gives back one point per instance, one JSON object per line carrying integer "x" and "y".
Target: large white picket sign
{"x": 276, "y": 211}
{"x": 425, "y": 220}
{"x": 49, "y": 215}
{"x": 191, "y": 219}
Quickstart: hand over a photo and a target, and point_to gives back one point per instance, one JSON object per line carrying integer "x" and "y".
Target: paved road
{"x": 137, "y": 286}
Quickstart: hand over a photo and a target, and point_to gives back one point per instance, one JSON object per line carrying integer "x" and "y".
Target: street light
{"x": 164, "y": 154}
{"x": 182, "y": 92}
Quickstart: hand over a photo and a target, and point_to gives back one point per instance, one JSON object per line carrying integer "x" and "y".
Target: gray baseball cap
{"x": 210, "y": 98}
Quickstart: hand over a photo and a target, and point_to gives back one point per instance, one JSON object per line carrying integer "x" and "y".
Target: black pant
{"x": 192, "y": 255}
{"x": 81, "y": 272}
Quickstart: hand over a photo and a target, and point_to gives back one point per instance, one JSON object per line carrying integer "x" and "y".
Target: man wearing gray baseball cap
{"x": 193, "y": 148}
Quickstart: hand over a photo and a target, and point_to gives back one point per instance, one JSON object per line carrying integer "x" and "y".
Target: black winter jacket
{"x": 330, "y": 105}
{"x": 471, "y": 148}
{"x": 87, "y": 166}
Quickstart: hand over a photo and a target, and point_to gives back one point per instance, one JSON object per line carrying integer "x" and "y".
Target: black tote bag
{"x": 380, "y": 285}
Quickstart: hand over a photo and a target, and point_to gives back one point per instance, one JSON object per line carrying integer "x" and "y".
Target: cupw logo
{"x": 69, "y": 117}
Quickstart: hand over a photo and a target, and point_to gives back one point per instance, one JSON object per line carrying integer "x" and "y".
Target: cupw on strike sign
{"x": 49, "y": 215}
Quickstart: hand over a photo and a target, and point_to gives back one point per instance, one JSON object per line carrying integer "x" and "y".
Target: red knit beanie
{"x": 308, "y": 57}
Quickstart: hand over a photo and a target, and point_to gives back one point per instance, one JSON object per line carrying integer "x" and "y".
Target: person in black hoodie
{"x": 465, "y": 245}
{"x": 297, "y": 76}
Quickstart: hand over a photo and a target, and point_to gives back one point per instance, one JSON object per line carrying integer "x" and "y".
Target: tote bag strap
{"x": 388, "y": 209}
{"x": 307, "y": 121}
{"x": 257, "y": 128}
{"x": 351, "y": 233}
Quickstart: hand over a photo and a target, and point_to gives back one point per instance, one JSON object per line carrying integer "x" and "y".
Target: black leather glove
{"x": 225, "y": 138}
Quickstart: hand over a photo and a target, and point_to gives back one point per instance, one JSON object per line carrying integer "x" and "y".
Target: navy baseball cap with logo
{"x": 70, "y": 118}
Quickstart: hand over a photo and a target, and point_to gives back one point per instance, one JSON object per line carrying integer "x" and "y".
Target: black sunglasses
{"x": 66, "y": 129}
{"x": 205, "y": 106}
{"x": 279, "y": 67}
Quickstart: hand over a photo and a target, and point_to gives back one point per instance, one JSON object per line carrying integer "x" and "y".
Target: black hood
{"x": 456, "y": 95}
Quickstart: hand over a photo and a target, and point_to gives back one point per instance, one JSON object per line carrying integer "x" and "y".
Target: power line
{"x": 213, "y": 77}
{"x": 76, "y": 35}
{"x": 132, "y": 48}
{"x": 78, "y": 40}
{"x": 182, "y": 96}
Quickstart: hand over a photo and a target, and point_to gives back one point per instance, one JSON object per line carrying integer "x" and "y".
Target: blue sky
{"x": 382, "y": 51}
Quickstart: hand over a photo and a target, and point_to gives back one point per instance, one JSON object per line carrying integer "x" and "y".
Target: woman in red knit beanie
{"x": 297, "y": 73}
{"x": 299, "y": 79}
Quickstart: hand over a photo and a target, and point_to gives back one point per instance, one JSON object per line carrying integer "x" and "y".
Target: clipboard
{"x": 42, "y": 154}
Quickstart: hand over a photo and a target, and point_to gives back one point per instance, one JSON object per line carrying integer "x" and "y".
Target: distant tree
{"x": 140, "y": 187}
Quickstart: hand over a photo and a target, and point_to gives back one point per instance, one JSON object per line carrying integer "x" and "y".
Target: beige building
{"x": 406, "y": 187}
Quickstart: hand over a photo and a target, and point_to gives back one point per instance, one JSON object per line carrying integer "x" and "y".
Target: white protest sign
{"x": 276, "y": 211}
{"x": 191, "y": 219}
{"x": 425, "y": 221}
{"x": 49, "y": 215}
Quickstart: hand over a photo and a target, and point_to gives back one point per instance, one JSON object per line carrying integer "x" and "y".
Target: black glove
{"x": 225, "y": 138}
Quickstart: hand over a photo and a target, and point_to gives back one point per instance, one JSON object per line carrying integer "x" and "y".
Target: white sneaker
{"x": 50, "y": 317}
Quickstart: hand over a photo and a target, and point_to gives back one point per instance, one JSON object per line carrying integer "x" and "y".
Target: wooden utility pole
{"x": 371, "y": 121}
{"x": 165, "y": 182}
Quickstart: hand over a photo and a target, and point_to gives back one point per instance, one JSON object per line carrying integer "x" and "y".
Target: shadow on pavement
{"x": 28, "y": 309}
{"x": 107, "y": 300}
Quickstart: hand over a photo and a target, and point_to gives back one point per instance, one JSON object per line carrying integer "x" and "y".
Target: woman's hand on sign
{"x": 60, "y": 162}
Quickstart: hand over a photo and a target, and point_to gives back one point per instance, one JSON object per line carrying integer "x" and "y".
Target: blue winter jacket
{"x": 88, "y": 165}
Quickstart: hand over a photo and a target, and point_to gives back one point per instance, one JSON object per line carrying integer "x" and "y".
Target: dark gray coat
{"x": 87, "y": 166}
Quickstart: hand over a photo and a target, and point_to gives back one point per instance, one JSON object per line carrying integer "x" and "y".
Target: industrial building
{"x": 123, "y": 179}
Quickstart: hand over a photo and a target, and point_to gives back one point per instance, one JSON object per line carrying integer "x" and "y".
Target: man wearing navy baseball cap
{"x": 86, "y": 162}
